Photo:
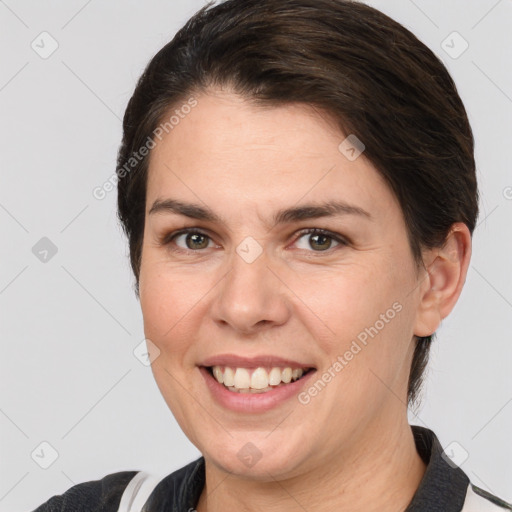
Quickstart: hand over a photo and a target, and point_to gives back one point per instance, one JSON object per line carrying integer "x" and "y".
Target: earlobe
{"x": 442, "y": 285}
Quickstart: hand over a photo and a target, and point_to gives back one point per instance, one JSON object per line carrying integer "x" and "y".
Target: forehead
{"x": 237, "y": 153}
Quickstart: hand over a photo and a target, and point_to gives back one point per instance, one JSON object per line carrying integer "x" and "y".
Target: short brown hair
{"x": 368, "y": 72}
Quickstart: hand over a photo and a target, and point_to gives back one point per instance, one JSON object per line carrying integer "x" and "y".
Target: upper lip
{"x": 235, "y": 361}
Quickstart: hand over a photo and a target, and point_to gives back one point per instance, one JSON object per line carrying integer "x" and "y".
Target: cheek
{"x": 363, "y": 315}
{"x": 167, "y": 301}
{"x": 167, "y": 298}
{"x": 346, "y": 301}
{"x": 366, "y": 355}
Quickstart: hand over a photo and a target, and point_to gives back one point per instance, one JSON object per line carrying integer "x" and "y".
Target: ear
{"x": 446, "y": 274}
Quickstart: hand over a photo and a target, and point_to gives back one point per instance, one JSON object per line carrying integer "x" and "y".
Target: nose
{"x": 252, "y": 296}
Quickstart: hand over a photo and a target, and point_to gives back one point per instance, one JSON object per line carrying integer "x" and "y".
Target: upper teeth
{"x": 241, "y": 378}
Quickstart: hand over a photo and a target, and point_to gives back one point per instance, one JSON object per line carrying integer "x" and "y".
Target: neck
{"x": 382, "y": 472}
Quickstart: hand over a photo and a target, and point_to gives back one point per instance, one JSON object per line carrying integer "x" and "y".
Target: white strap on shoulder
{"x": 138, "y": 491}
{"x": 476, "y": 503}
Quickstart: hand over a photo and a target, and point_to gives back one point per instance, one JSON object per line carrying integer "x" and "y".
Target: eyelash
{"x": 168, "y": 239}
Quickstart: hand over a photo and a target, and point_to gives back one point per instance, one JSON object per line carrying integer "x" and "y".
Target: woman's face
{"x": 253, "y": 289}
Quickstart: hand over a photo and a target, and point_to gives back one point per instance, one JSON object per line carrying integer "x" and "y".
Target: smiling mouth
{"x": 256, "y": 380}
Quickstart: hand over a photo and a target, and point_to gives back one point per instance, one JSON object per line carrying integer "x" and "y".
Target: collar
{"x": 443, "y": 487}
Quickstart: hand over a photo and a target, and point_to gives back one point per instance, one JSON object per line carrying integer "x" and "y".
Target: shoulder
{"x": 479, "y": 500}
{"x": 130, "y": 490}
{"x": 103, "y": 495}
{"x": 445, "y": 486}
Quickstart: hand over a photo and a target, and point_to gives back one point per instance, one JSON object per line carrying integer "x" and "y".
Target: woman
{"x": 297, "y": 184}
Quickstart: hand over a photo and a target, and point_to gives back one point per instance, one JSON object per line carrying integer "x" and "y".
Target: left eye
{"x": 320, "y": 239}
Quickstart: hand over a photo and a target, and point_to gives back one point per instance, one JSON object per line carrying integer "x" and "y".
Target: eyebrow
{"x": 303, "y": 212}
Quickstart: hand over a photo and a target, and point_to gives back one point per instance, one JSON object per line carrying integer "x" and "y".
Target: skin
{"x": 352, "y": 442}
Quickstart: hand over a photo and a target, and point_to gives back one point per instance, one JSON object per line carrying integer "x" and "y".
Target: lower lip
{"x": 253, "y": 402}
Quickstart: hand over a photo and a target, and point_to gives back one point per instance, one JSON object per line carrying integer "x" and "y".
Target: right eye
{"x": 192, "y": 240}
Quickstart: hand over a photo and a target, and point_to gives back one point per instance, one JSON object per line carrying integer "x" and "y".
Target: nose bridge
{"x": 250, "y": 294}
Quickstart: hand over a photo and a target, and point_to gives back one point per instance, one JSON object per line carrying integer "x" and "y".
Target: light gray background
{"x": 69, "y": 326}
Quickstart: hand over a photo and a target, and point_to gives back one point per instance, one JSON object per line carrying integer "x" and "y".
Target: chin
{"x": 257, "y": 457}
